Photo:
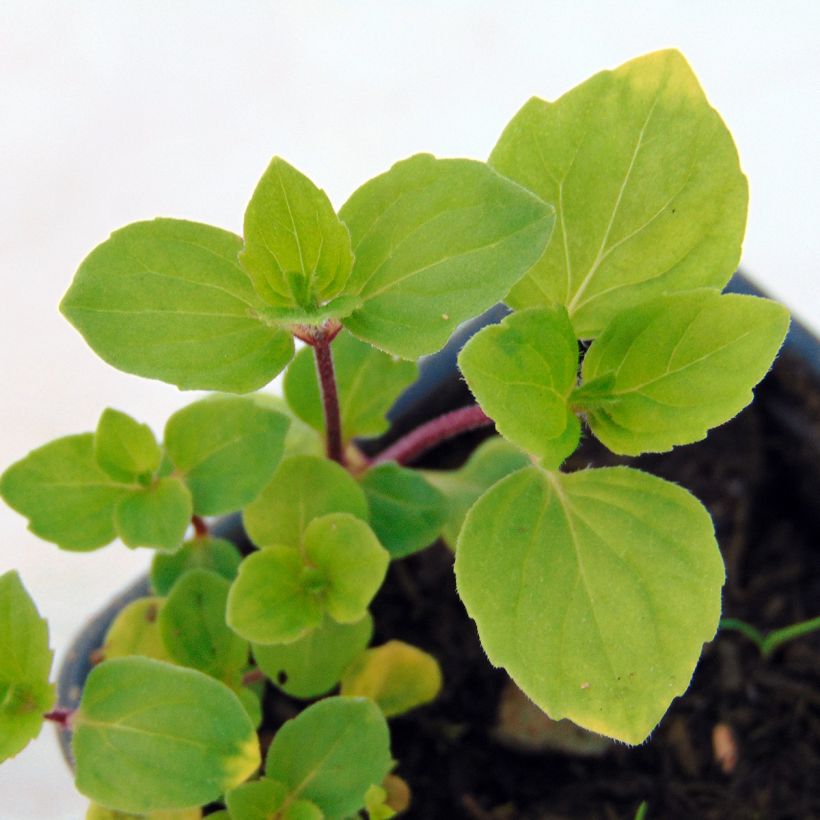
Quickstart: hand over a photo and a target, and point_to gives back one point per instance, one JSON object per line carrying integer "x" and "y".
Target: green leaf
{"x": 135, "y": 631}
{"x": 313, "y": 665}
{"x": 149, "y": 736}
{"x": 437, "y": 241}
{"x": 168, "y": 300}
{"x": 97, "y": 812}
{"x": 65, "y": 495}
{"x": 336, "y": 308}
{"x": 297, "y": 251}
{"x": 124, "y": 448}
{"x": 665, "y": 372}
{"x": 301, "y": 438}
{"x": 192, "y": 624}
{"x": 522, "y": 373}
{"x": 257, "y": 800}
{"x": 331, "y": 753}
{"x": 302, "y": 810}
{"x": 368, "y": 383}
{"x": 375, "y": 803}
{"x": 226, "y": 448}
{"x": 156, "y": 516}
{"x": 214, "y": 554}
{"x": 491, "y": 461}
{"x": 646, "y": 181}
{"x": 303, "y": 488}
{"x": 595, "y": 591}
{"x": 269, "y": 601}
{"x": 25, "y": 666}
{"x": 397, "y": 676}
{"x": 406, "y": 512}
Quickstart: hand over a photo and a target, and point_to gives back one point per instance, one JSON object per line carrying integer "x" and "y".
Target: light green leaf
{"x": 271, "y": 600}
{"x": 156, "y": 516}
{"x": 595, "y": 590}
{"x": 168, "y": 300}
{"x": 437, "y": 241}
{"x": 214, "y": 554}
{"x": 646, "y": 181}
{"x": 331, "y": 753}
{"x": 302, "y": 810}
{"x": 397, "y": 676}
{"x": 297, "y": 251}
{"x": 226, "y": 448}
{"x": 368, "y": 383}
{"x": 301, "y": 438}
{"x": 303, "y": 488}
{"x": 97, "y": 812}
{"x": 124, "y": 448}
{"x": 375, "y": 803}
{"x": 257, "y": 800}
{"x": 66, "y": 496}
{"x": 336, "y": 308}
{"x": 663, "y": 373}
{"x": 149, "y": 736}
{"x": 251, "y": 702}
{"x": 406, "y": 512}
{"x": 351, "y": 561}
{"x": 135, "y": 631}
{"x": 192, "y": 624}
{"x": 491, "y": 461}
{"x": 25, "y": 666}
{"x": 522, "y": 373}
{"x": 313, "y": 665}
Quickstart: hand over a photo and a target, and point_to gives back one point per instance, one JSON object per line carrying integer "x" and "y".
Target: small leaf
{"x": 368, "y": 383}
{"x": 301, "y": 438}
{"x": 192, "y": 624}
{"x": 297, "y": 251}
{"x": 156, "y": 516}
{"x": 375, "y": 803}
{"x": 331, "y": 753}
{"x": 313, "y": 665}
{"x": 406, "y": 512}
{"x": 303, "y": 488}
{"x": 595, "y": 590}
{"x": 124, "y": 448}
{"x": 65, "y": 495}
{"x": 251, "y": 703}
{"x": 397, "y": 676}
{"x": 149, "y": 736}
{"x": 214, "y": 554}
{"x": 491, "y": 461}
{"x": 226, "y": 448}
{"x": 302, "y": 810}
{"x": 135, "y": 631}
{"x": 646, "y": 181}
{"x": 522, "y": 373}
{"x": 257, "y": 800}
{"x": 97, "y": 812}
{"x": 168, "y": 300}
{"x": 665, "y": 372}
{"x": 437, "y": 241}
{"x": 25, "y": 666}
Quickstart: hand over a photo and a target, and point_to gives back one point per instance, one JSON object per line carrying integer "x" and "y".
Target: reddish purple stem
{"x": 330, "y": 397}
{"x": 60, "y": 716}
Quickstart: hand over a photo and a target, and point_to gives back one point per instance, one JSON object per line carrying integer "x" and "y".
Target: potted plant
{"x": 613, "y": 218}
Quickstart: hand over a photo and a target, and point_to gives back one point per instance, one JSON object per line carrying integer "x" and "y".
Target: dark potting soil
{"x": 759, "y": 476}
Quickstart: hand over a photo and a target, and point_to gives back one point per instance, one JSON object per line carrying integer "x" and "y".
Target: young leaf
{"x": 149, "y": 736}
{"x": 663, "y": 373}
{"x": 297, "y": 251}
{"x": 214, "y": 554}
{"x": 167, "y": 299}
{"x": 522, "y": 373}
{"x": 406, "y": 512}
{"x": 192, "y": 624}
{"x": 226, "y": 448}
{"x": 124, "y": 448}
{"x": 397, "y": 676}
{"x": 303, "y": 488}
{"x": 25, "y": 666}
{"x": 368, "y": 382}
{"x": 647, "y": 184}
{"x": 595, "y": 590}
{"x": 135, "y": 631}
{"x": 257, "y": 800}
{"x": 437, "y": 241}
{"x": 313, "y": 665}
{"x": 66, "y": 496}
{"x": 331, "y": 754}
{"x": 491, "y": 461}
{"x": 155, "y": 516}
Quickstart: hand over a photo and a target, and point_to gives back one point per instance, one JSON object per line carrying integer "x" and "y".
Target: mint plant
{"x": 609, "y": 221}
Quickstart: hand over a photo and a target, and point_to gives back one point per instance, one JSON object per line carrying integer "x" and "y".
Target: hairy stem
{"x": 330, "y": 397}
{"x": 423, "y": 438}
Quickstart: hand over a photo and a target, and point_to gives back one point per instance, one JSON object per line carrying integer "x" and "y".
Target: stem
{"x": 253, "y": 676}
{"x": 60, "y": 716}
{"x": 418, "y": 441}
{"x": 767, "y": 644}
{"x": 330, "y": 397}
{"x": 200, "y": 526}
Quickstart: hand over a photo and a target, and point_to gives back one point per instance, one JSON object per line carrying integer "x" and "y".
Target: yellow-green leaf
{"x": 155, "y": 516}
{"x": 135, "y": 631}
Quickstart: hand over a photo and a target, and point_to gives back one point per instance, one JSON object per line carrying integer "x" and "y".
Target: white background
{"x": 116, "y": 111}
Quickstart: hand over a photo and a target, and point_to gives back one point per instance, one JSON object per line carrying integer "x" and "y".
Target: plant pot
{"x": 760, "y": 479}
